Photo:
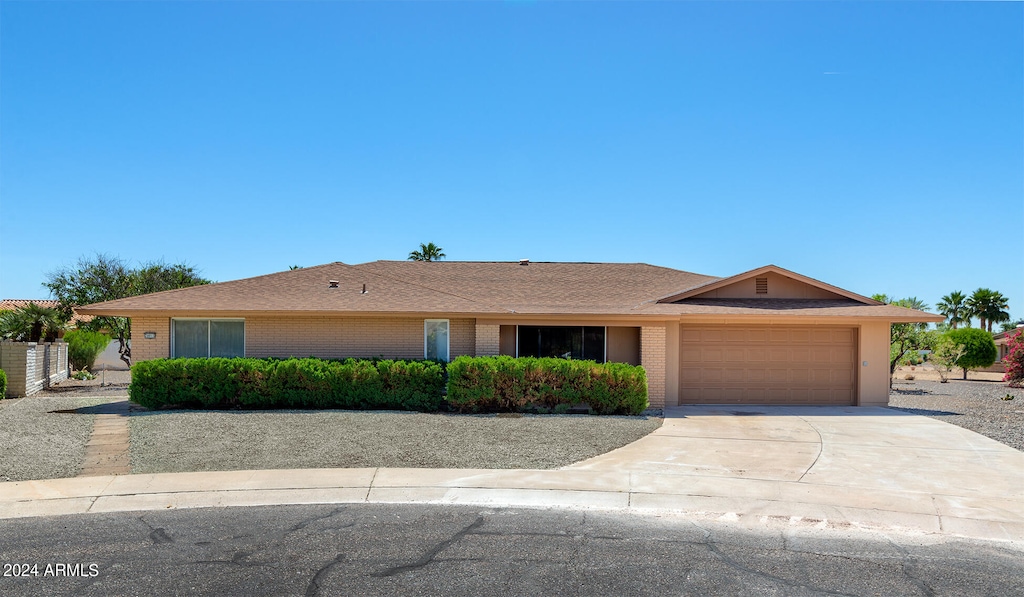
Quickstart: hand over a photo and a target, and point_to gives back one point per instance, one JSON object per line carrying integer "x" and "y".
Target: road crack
{"x": 428, "y": 557}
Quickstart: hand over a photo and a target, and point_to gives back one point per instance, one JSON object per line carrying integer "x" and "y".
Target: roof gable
{"x": 774, "y": 282}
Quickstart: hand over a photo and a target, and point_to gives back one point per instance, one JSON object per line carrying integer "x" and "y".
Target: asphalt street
{"x": 374, "y": 549}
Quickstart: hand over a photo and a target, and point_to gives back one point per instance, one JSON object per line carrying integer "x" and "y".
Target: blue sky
{"x": 876, "y": 146}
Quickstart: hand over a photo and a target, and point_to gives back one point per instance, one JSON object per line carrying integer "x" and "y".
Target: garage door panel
{"x": 771, "y": 365}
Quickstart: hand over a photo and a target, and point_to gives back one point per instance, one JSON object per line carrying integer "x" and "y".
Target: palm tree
{"x": 427, "y": 252}
{"x": 978, "y": 304}
{"x": 31, "y": 323}
{"x": 953, "y": 307}
{"x": 989, "y": 306}
{"x": 997, "y": 311}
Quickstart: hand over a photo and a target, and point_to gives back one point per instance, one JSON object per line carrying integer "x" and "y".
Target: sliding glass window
{"x": 207, "y": 338}
{"x": 562, "y": 342}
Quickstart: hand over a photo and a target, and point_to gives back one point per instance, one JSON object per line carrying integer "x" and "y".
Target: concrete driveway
{"x": 824, "y": 467}
{"x": 870, "y": 466}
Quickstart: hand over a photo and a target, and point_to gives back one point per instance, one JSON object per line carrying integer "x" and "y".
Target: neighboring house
{"x": 767, "y": 336}
{"x": 14, "y": 304}
{"x": 1002, "y": 340}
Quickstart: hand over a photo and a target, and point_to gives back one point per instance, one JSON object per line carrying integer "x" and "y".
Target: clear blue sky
{"x": 877, "y": 146}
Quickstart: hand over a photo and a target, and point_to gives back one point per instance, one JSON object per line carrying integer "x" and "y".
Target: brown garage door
{"x": 767, "y": 365}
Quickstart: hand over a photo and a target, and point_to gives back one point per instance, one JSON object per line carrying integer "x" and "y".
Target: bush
{"x": 83, "y": 348}
{"x": 1014, "y": 360}
{"x": 510, "y": 384}
{"x": 3, "y": 384}
{"x": 289, "y": 383}
{"x": 979, "y": 349}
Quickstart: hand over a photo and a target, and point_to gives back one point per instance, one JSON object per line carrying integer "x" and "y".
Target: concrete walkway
{"x": 868, "y": 468}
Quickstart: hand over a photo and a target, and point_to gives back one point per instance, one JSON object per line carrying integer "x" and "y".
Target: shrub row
{"x": 3, "y": 384}
{"x": 290, "y": 383}
{"x": 477, "y": 384}
{"x": 510, "y": 384}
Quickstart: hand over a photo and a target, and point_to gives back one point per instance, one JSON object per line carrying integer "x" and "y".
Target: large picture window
{"x": 207, "y": 338}
{"x": 563, "y": 342}
{"x": 435, "y": 339}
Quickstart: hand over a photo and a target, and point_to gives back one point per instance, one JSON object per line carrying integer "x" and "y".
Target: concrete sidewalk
{"x": 868, "y": 468}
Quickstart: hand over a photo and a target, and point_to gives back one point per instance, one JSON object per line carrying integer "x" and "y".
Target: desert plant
{"x": 1014, "y": 360}
{"x": 979, "y": 349}
{"x": 83, "y": 348}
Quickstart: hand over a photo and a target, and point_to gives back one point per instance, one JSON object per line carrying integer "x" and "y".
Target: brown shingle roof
{"x": 468, "y": 287}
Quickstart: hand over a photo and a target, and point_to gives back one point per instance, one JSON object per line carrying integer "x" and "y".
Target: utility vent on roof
{"x": 524, "y": 262}
{"x": 761, "y": 285}
{"x": 332, "y": 283}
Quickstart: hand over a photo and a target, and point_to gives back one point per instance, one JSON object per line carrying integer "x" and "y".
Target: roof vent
{"x": 761, "y": 285}
{"x": 524, "y": 262}
{"x": 332, "y": 283}
{"x": 364, "y": 289}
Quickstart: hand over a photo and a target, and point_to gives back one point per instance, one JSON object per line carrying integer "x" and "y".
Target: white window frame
{"x": 209, "y": 331}
{"x": 447, "y": 337}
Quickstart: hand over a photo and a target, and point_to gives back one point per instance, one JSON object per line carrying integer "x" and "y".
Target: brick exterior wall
{"x": 328, "y": 337}
{"x": 488, "y": 340}
{"x": 157, "y": 348}
{"x": 32, "y": 366}
{"x": 652, "y": 358}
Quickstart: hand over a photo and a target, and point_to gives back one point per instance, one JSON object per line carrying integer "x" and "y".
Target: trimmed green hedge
{"x": 291, "y": 383}
{"x": 514, "y": 384}
{"x": 3, "y": 384}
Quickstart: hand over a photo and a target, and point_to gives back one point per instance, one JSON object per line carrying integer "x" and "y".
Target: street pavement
{"x": 401, "y": 549}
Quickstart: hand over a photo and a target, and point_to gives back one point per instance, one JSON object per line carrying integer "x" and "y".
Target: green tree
{"x": 84, "y": 346}
{"x": 1006, "y": 326}
{"x": 979, "y": 349}
{"x": 31, "y": 323}
{"x": 954, "y": 307}
{"x": 106, "y": 278}
{"x": 905, "y": 337}
{"x": 427, "y": 252}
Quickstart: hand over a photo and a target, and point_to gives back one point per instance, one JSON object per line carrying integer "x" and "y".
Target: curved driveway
{"x": 810, "y": 466}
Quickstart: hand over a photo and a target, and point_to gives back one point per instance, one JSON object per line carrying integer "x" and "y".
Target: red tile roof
{"x": 14, "y": 304}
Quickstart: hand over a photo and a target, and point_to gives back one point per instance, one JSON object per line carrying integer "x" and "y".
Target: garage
{"x": 767, "y": 365}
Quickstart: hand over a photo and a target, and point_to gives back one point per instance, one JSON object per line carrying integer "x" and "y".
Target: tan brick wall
{"x": 26, "y": 365}
{"x": 339, "y": 337}
{"x": 328, "y": 337}
{"x": 652, "y": 358}
{"x": 157, "y": 348}
{"x": 488, "y": 340}
{"x": 14, "y": 362}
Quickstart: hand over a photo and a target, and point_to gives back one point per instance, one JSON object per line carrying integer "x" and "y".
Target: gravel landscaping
{"x": 975, "y": 405}
{"x": 174, "y": 441}
{"x": 40, "y": 445}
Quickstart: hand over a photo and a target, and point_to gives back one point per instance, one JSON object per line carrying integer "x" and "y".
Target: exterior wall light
{"x": 149, "y": 335}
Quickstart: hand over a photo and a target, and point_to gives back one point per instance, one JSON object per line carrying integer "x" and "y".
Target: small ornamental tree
{"x": 944, "y": 356}
{"x": 979, "y": 349}
{"x": 1014, "y": 360}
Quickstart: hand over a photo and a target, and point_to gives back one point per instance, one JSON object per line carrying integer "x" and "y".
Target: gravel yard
{"x": 35, "y": 444}
{"x": 974, "y": 405}
{"x": 172, "y": 441}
